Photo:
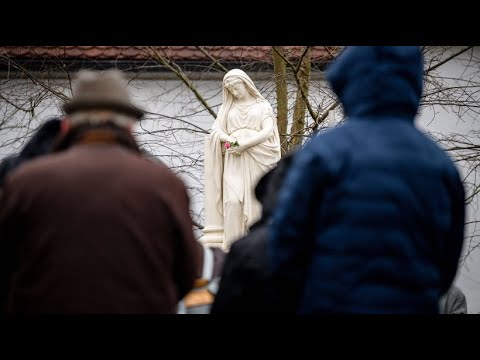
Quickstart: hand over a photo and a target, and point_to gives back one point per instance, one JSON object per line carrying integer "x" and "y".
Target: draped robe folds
{"x": 235, "y": 177}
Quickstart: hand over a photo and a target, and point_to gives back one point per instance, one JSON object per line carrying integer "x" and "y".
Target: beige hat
{"x": 95, "y": 90}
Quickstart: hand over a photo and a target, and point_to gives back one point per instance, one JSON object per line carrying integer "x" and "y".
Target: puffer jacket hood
{"x": 378, "y": 80}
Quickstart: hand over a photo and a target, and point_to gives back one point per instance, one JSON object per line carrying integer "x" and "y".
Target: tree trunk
{"x": 298, "y": 126}
{"x": 280, "y": 70}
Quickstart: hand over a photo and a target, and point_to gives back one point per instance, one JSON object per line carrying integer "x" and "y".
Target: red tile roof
{"x": 177, "y": 53}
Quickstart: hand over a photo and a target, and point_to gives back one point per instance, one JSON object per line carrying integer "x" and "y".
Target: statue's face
{"x": 238, "y": 89}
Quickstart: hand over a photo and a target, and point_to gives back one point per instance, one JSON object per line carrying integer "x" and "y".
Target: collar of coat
{"x": 107, "y": 133}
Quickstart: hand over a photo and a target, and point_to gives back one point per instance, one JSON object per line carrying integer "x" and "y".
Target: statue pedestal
{"x": 212, "y": 236}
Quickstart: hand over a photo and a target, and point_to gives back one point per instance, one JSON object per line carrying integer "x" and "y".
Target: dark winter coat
{"x": 39, "y": 144}
{"x": 371, "y": 216}
{"x": 246, "y": 285}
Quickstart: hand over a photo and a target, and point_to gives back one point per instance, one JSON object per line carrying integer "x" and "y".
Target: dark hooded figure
{"x": 246, "y": 286}
{"x": 39, "y": 144}
{"x": 370, "y": 218}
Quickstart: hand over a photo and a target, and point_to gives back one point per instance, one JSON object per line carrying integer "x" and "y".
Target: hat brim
{"x": 76, "y": 105}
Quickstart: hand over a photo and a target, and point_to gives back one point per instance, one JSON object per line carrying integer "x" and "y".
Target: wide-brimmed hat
{"x": 101, "y": 90}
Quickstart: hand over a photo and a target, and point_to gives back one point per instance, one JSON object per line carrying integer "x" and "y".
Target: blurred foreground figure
{"x": 95, "y": 227}
{"x": 200, "y": 299}
{"x": 39, "y": 144}
{"x": 246, "y": 286}
{"x": 453, "y": 302}
{"x": 370, "y": 218}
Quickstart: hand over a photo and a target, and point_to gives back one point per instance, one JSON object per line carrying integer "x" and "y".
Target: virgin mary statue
{"x": 242, "y": 146}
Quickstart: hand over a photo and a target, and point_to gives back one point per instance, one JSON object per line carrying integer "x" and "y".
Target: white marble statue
{"x": 243, "y": 145}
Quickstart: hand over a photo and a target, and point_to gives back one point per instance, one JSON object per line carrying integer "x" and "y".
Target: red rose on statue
{"x": 228, "y": 145}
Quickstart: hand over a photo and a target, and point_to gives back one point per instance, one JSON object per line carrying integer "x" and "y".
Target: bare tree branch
{"x": 453, "y": 56}
{"x": 298, "y": 81}
{"x": 215, "y": 61}
{"x": 324, "y": 115}
{"x": 181, "y": 75}
{"x": 36, "y": 81}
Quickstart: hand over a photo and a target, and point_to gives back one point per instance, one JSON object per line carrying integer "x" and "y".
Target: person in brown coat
{"x": 95, "y": 227}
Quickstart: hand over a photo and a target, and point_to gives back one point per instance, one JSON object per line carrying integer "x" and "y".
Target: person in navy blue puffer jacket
{"x": 370, "y": 218}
